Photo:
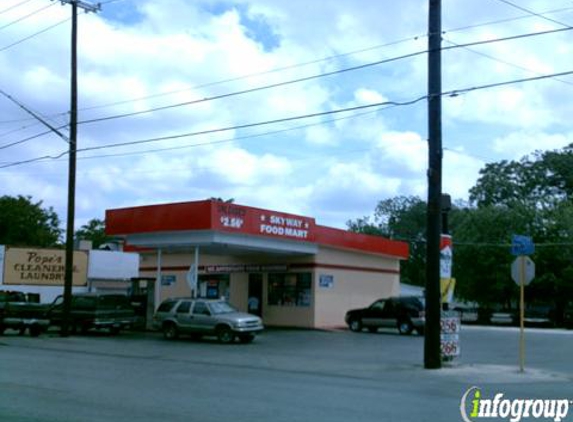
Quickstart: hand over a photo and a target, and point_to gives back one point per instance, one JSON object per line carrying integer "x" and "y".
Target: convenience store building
{"x": 283, "y": 267}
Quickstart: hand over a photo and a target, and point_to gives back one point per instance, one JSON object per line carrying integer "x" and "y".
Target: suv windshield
{"x": 221, "y": 308}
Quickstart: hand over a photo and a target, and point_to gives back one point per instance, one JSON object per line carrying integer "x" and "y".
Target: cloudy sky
{"x": 154, "y": 75}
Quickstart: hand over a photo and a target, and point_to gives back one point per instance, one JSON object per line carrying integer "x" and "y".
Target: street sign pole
{"x": 521, "y": 313}
{"x": 522, "y": 272}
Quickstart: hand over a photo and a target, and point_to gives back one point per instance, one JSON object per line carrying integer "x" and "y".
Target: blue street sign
{"x": 522, "y": 245}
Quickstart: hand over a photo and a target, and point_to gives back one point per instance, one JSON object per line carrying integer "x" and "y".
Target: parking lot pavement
{"x": 285, "y": 375}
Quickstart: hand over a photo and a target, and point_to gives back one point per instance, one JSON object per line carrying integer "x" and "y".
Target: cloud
{"x": 145, "y": 54}
{"x": 518, "y": 144}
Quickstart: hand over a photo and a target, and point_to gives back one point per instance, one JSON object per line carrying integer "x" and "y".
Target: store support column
{"x": 193, "y": 274}
{"x": 158, "y": 279}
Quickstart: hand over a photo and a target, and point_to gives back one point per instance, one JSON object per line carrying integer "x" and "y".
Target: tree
{"x": 25, "y": 223}
{"x": 400, "y": 218}
{"x": 482, "y": 256}
{"x": 541, "y": 180}
{"x": 93, "y": 230}
{"x": 535, "y": 197}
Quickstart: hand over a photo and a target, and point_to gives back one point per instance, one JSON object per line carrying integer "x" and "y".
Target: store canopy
{"x": 224, "y": 228}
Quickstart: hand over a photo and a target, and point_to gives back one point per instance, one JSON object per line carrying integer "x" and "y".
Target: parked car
{"x": 95, "y": 311}
{"x": 539, "y": 315}
{"x": 469, "y": 314}
{"x": 404, "y": 313}
{"x": 18, "y": 313}
{"x": 201, "y": 317}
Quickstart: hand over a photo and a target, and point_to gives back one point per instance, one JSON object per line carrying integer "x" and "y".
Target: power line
{"x": 283, "y": 68}
{"x": 229, "y": 140}
{"x": 252, "y": 75}
{"x": 312, "y": 77}
{"x": 256, "y": 124}
{"x": 451, "y": 93}
{"x": 22, "y": 141}
{"x": 456, "y": 92}
{"x": 531, "y": 12}
{"x": 300, "y": 64}
{"x": 35, "y": 115}
{"x": 500, "y": 21}
{"x": 14, "y": 6}
{"x": 251, "y": 90}
{"x": 301, "y": 79}
{"x": 479, "y": 53}
{"x": 219, "y": 130}
{"x": 33, "y": 35}
{"x": 27, "y": 16}
{"x": 317, "y": 76}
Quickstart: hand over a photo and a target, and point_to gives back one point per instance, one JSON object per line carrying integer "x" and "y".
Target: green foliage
{"x": 94, "y": 230}
{"x": 25, "y": 223}
{"x": 532, "y": 196}
{"x": 400, "y": 218}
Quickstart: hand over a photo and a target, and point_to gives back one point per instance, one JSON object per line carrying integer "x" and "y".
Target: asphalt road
{"x": 285, "y": 375}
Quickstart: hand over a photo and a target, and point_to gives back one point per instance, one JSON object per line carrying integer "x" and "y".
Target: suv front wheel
{"x": 170, "y": 331}
{"x": 225, "y": 335}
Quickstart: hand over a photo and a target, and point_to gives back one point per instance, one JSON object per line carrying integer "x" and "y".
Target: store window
{"x": 214, "y": 286}
{"x": 290, "y": 289}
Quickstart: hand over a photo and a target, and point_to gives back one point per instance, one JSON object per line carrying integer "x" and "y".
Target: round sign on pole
{"x": 529, "y": 273}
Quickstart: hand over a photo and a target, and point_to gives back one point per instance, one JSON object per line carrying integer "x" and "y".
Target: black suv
{"x": 404, "y": 313}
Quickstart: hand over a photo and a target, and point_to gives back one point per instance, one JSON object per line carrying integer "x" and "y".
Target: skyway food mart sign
{"x": 247, "y": 220}
{"x": 44, "y": 267}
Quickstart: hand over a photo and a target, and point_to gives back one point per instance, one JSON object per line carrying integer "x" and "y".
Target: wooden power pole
{"x": 68, "y": 277}
{"x": 432, "y": 352}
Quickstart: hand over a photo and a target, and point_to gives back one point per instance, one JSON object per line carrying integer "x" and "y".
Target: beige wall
{"x": 239, "y": 291}
{"x": 353, "y": 287}
{"x": 358, "y": 281}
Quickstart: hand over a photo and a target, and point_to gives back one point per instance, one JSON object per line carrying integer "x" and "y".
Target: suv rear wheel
{"x": 405, "y": 326}
{"x": 170, "y": 331}
{"x": 355, "y": 325}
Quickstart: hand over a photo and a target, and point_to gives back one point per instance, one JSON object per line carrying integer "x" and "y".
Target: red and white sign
{"x": 446, "y": 256}
{"x": 237, "y": 218}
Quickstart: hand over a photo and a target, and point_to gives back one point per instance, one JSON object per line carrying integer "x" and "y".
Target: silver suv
{"x": 199, "y": 317}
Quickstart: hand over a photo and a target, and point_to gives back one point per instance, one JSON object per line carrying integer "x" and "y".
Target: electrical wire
{"x": 456, "y": 92}
{"x": 219, "y": 130}
{"x": 317, "y": 76}
{"x": 21, "y": 141}
{"x": 298, "y": 65}
{"x": 250, "y": 75}
{"x": 298, "y": 80}
{"x": 531, "y": 12}
{"x": 506, "y": 20}
{"x": 35, "y": 115}
{"x": 14, "y": 6}
{"x": 27, "y": 16}
{"x": 451, "y": 93}
{"x": 6, "y": 47}
{"x": 490, "y": 57}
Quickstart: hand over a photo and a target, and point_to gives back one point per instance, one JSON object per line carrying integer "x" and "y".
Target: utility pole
{"x": 432, "y": 352}
{"x": 69, "y": 272}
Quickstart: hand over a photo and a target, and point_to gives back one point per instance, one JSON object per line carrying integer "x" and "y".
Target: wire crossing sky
{"x": 297, "y": 106}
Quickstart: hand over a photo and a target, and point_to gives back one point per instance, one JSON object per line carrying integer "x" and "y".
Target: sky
{"x": 184, "y": 100}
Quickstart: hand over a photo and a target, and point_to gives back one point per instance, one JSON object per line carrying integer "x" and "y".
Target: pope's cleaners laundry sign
{"x": 237, "y": 218}
{"x": 44, "y": 267}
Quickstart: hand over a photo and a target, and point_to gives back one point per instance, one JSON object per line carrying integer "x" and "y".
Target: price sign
{"x": 449, "y": 336}
{"x": 450, "y": 345}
